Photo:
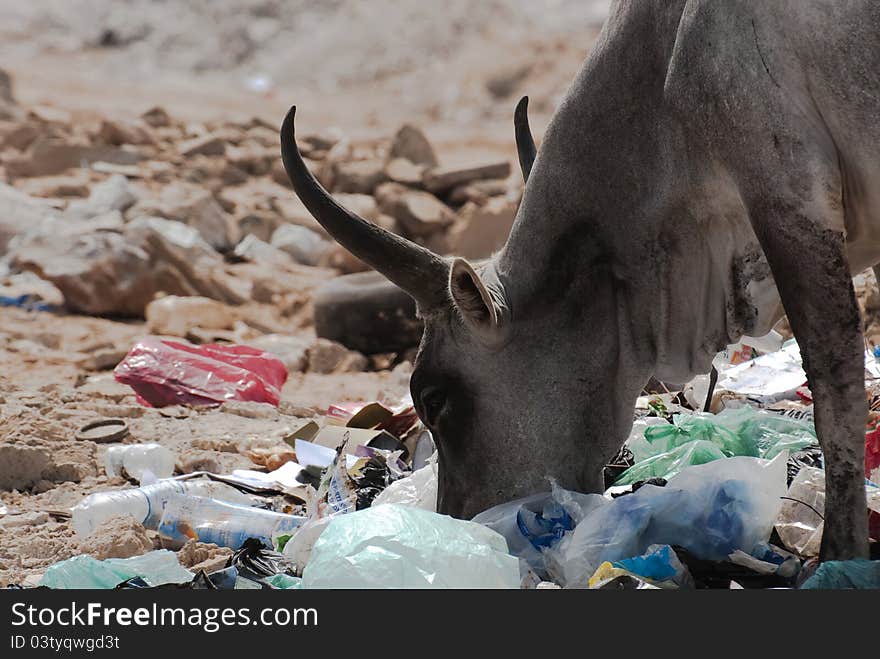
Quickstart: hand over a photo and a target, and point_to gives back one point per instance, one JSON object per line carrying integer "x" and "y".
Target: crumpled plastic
{"x": 663, "y": 450}
{"x": 172, "y": 373}
{"x": 155, "y": 568}
{"x": 418, "y": 489}
{"x": 711, "y": 510}
{"x": 396, "y": 546}
{"x": 801, "y": 520}
{"x": 658, "y": 566}
{"x": 856, "y": 574}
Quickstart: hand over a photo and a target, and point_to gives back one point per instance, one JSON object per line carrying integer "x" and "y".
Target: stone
{"x": 24, "y": 461}
{"x": 255, "y": 250}
{"x": 50, "y": 114}
{"x": 442, "y": 179}
{"x": 419, "y": 213}
{"x": 320, "y": 141}
{"x": 339, "y": 258}
{"x": 18, "y": 213}
{"x": 261, "y": 224}
{"x": 49, "y": 156}
{"x": 478, "y": 192}
{"x": 112, "y": 194}
{"x": 175, "y": 315}
{"x": 11, "y": 522}
{"x": 21, "y": 137}
{"x": 119, "y": 272}
{"x": 156, "y": 117}
{"x": 249, "y": 409}
{"x": 206, "y": 145}
{"x": 410, "y": 143}
{"x": 193, "y": 461}
{"x": 252, "y": 158}
{"x": 197, "y": 556}
{"x": 118, "y": 537}
{"x": 327, "y": 357}
{"x": 480, "y": 231}
{"x": 360, "y": 204}
{"x": 293, "y": 211}
{"x": 6, "y": 87}
{"x": 361, "y": 176}
{"x": 196, "y": 207}
{"x": 119, "y": 132}
{"x": 401, "y": 170}
{"x": 128, "y": 171}
{"x": 302, "y": 244}
{"x": 291, "y": 350}
{"x": 65, "y": 185}
{"x": 502, "y": 83}
{"x": 103, "y": 360}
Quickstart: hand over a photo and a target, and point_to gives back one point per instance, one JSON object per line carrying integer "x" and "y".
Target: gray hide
{"x": 705, "y": 149}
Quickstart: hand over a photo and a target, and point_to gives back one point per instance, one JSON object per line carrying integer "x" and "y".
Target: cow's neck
{"x": 610, "y": 183}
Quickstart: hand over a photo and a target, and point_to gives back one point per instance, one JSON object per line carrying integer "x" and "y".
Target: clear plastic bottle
{"x": 224, "y": 524}
{"x": 147, "y": 502}
{"x": 139, "y": 461}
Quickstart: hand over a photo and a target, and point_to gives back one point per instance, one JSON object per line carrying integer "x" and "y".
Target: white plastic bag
{"x": 419, "y": 489}
{"x": 394, "y": 546}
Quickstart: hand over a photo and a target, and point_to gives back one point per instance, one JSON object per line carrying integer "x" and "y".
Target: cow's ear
{"x": 480, "y": 303}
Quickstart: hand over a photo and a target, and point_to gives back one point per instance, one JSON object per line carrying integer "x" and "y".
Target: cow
{"x": 713, "y": 166}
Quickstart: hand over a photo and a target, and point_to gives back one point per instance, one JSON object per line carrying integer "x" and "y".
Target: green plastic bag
{"x": 155, "y": 567}
{"x": 665, "y": 449}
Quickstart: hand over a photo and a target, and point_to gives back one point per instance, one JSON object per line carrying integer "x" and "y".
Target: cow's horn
{"x": 418, "y": 271}
{"x": 525, "y": 144}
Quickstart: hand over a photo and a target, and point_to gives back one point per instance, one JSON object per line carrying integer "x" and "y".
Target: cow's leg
{"x": 807, "y": 255}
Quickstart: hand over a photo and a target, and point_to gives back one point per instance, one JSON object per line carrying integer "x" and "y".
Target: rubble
{"x": 441, "y": 179}
{"x": 419, "y": 213}
{"x": 410, "y": 144}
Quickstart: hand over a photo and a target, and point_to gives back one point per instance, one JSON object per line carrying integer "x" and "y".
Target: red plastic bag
{"x": 872, "y": 451}
{"x": 170, "y": 373}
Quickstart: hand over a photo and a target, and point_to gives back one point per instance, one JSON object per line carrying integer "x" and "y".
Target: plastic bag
{"x": 419, "y": 489}
{"x": 663, "y": 450}
{"x": 659, "y": 566}
{"x": 801, "y": 516}
{"x": 171, "y": 373}
{"x": 395, "y": 546}
{"x": 155, "y": 568}
{"x": 711, "y": 510}
{"x": 859, "y": 573}
{"x": 535, "y": 524}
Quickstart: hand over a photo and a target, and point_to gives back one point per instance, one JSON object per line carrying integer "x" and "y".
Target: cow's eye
{"x": 433, "y": 399}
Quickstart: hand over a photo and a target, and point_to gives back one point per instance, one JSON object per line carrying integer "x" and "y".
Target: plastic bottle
{"x": 146, "y": 503}
{"x": 224, "y": 524}
{"x": 138, "y": 461}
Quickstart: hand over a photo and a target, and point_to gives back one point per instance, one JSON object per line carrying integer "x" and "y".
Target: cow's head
{"x": 514, "y": 387}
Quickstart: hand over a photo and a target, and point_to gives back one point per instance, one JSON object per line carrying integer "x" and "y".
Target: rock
{"x": 361, "y": 204}
{"x": 410, "y": 143}
{"x": 302, "y": 244}
{"x": 291, "y": 350}
{"x": 441, "y": 179}
{"x": 119, "y": 132}
{"x": 21, "y": 137}
{"x": 71, "y": 185}
{"x": 339, "y": 258}
{"x": 103, "y": 360}
{"x": 253, "y": 158}
{"x": 193, "y": 461}
{"x": 320, "y": 141}
{"x": 11, "y": 522}
{"x": 478, "y": 192}
{"x": 255, "y": 194}
{"x": 119, "y": 272}
{"x": 258, "y": 251}
{"x": 156, "y": 117}
{"x": 50, "y": 115}
{"x": 481, "y": 230}
{"x": 504, "y": 82}
{"x": 118, "y": 537}
{"x": 113, "y": 194}
{"x": 419, "y": 213}
{"x": 292, "y": 210}
{"x": 6, "y": 88}
{"x": 360, "y": 176}
{"x": 206, "y": 145}
{"x": 25, "y": 460}
{"x": 261, "y": 224}
{"x": 49, "y": 156}
{"x": 367, "y": 313}
{"x": 195, "y": 207}
{"x": 249, "y": 409}
{"x": 197, "y": 556}
{"x": 18, "y": 213}
{"x": 128, "y": 171}
{"x": 401, "y": 170}
{"x": 330, "y": 357}
{"x": 175, "y": 315}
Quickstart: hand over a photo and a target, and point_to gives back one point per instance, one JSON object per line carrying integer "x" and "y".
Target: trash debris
{"x": 658, "y": 566}
{"x": 146, "y": 503}
{"x": 144, "y": 463}
{"x": 711, "y": 510}
{"x": 396, "y": 546}
{"x": 220, "y": 523}
{"x": 858, "y": 573}
{"x": 104, "y": 431}
{"x": 170, "y": 373}
{"x": 84, "y": 572}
